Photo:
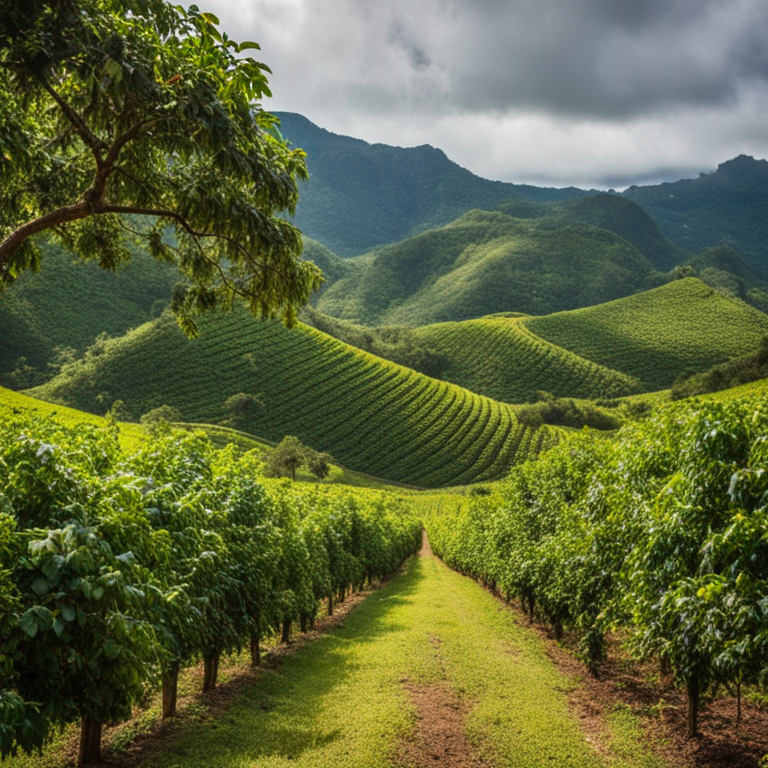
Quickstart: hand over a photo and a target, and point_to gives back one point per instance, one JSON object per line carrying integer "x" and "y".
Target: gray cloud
{"x": 477, "y": 78}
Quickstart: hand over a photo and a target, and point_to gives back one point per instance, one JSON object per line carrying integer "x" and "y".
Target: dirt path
{"x": 428, "y": 671}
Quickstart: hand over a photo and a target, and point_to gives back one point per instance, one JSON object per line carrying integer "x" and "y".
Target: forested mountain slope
{"x": 487, "y": 262}
{"x": 726, "y": 207}
{"x": 362, "y": 195}
{"x": 372, "y": 415}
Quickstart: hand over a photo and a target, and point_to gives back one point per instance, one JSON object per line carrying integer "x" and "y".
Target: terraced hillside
{"x": 501, "y": 358}
{"x": 372, "y": 415}
{"x": 488, "y": 262}
{"x": 655, "y": 336}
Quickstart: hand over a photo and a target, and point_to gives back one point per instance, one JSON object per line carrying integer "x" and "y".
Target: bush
{"x": 165, "y": 413}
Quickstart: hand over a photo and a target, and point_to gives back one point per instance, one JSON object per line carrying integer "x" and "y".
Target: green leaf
{"x": 40, "y": 585}
{"x": 212, "y": 18}
{"x": 248, "y": 46}
{"x": 29, "y": 623}
{"x": 112, "y": 649}
{"x": 67, "y": 613}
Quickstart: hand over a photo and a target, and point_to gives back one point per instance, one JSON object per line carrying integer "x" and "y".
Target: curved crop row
{"x": 370, "y": 414}
{"x": 499, "y": 357}
{"x": 684, "y": 326}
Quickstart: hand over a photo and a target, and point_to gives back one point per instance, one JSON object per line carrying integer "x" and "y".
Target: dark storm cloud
{"x": 585, "y": 58}
{"x": 581, "y": 91}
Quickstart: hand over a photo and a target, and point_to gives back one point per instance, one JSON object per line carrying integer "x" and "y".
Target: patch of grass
{"x": 342, "y": 701}
{"x": 626, "y": 740}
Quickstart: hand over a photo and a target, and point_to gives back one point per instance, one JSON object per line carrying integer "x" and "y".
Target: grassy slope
{"x": 619, "y": 215}
{"x": 656, "y": 335}
{"x": 68, "y": 303}
{"x": 499, "y": 357}
{"x": 343, "y": 700}
{"x": 372, "y": 415}
{"x": 488, "y": 262}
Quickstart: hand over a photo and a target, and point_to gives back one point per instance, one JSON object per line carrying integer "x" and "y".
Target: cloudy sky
{"x": 602, "y": 93}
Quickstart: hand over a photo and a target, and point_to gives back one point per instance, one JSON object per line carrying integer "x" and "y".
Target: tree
{"x": 319, "y": 464}
{"x": 242, "y": 409}
{"x": 137, "y": 116}
{"x": 288, "y": 456}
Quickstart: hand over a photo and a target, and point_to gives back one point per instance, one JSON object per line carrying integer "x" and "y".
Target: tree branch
{"x": 123, "y": 139}
{"x": 49, "y": 221}
{"x": 79, "y": 124}
{"x": 187, "y": 226}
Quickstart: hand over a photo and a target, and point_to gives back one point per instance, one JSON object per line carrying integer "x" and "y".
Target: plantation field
{"x": 371, "y": 415}
{"x": 501, "y": 358}
{"x": 16, "y": 403}
{"x": 656, "y": 335}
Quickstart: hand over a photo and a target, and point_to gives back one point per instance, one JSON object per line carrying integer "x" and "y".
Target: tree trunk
{"x": 255, "y": 649}
{"x": 738, "y": 702}
{"x": 665, "y": 666}
{"x": 558, "y": 627}
{"x": 531, "y": 604}
{"x": 311, "y": 622}
{"x": 341, "y": 594}
{"x": 303, "y": 622}
{"x": 90, "y": 742}
{"x": 170, "y": 691}
{"x": 330, "y": 604}
{"x": 286, "y": 631}
{"x": 692, "y": 686}
{"x": 210, "y": 671}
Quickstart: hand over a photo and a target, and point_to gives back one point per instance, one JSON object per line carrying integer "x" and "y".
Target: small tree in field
{"x": 287, "y": 457}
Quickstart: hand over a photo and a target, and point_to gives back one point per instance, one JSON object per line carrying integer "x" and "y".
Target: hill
{"x": 619, "y": 215}
{"x": 684, "y": 326}
{"x": 362, "y": 195}
{"x": 68, "y": 303}
{"x": 501, "y": 358}
{"x": 487, "y": 262}
{"x": 372, "y": 415}
{"x": 726, "y": 207}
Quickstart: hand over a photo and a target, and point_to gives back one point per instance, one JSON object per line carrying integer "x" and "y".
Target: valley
{"x": 544, "y": 380}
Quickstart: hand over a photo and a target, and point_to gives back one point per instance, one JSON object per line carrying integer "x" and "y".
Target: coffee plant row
{"x": 370, "y": 414}
{"x": 661, "y": 533}
{"x": 501, "y": 358}
{"x": 118, "y": 571}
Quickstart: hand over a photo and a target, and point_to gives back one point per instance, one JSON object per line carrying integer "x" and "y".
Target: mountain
{"x": 372, "y": 415}
{"x": 726, "y": 207}
{"x": 362, "y": 195}
{"x": 487, "y": 262}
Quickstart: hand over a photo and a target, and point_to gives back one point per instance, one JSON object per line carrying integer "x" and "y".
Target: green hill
{"x": 501, "y": 358}
{"x": 362, "y": 195}
{"x": 371, "y": 415}
{"x": 488, "y": 262}
{"x": 657, "y": 335}
{"x": 68, "y": 303}
{"x": 619, "y": 215}
{"x": 726, "y": 207}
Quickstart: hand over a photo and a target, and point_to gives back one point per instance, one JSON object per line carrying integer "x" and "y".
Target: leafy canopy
{"x": 139, "y": 116}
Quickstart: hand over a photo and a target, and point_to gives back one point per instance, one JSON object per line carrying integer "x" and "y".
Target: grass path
{"x": 364, "y": 694}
